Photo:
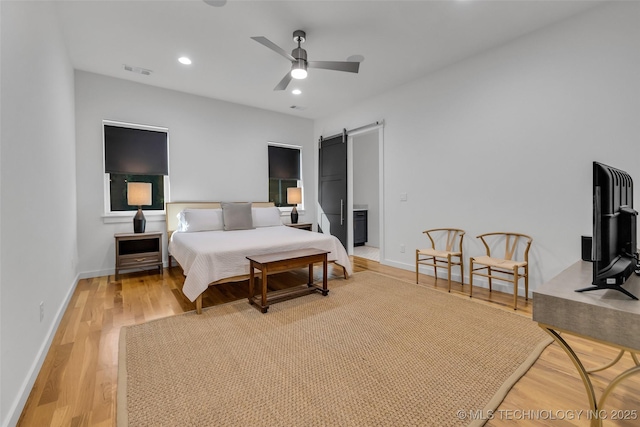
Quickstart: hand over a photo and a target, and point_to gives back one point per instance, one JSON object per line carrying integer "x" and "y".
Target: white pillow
{"x": 192, "y": 220}
{"x": 180, "y": 217}
{"x": 266, "y": 217}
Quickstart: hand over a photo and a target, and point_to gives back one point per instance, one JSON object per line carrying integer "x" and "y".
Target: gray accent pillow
{"x": 237, "y": 216}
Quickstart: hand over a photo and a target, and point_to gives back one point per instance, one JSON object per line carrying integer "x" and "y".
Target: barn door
{"x": 332, "y": 191}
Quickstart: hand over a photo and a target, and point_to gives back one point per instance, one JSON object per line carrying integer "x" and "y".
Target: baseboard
{"x": 110, "y": 272}
{"x": 479, "y": 282}
{"x": 96, "y": 273}
{"x": 17, "y": 405}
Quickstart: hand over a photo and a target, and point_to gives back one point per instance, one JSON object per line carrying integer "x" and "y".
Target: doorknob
{"x": 341, "y": 211}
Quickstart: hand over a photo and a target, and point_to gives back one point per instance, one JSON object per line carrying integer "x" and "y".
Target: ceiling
{"x": 399, "y": 40}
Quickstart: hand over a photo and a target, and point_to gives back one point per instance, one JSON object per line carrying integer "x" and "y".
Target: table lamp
{"x": 139, "y": 194}
{"x": 294, "y": 196}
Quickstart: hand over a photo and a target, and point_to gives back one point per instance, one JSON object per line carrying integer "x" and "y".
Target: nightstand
{"x": 138, "y": 250}
{"x": 303, "y": 226}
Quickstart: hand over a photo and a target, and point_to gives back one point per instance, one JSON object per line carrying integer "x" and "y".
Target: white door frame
{"x": 373, "y": 128}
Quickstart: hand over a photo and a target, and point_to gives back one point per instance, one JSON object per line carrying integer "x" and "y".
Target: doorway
{"x": 365, "y": 188}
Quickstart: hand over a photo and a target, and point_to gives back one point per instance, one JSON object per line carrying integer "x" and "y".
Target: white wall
{"x": 505, "y": 140}
{"x": 218, "y": 152}
{"x": 1, "y": 416}
{"x": 38, "y": 250}
{"x": 366, "y": 182}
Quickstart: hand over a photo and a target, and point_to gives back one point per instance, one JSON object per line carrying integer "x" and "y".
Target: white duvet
{"x": 209, "y": 256}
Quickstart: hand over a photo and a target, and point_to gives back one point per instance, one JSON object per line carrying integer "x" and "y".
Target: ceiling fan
{"x": 299, "y": 63}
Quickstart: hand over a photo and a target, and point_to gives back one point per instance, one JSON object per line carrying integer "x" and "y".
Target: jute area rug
{"x": 375, "y": 352}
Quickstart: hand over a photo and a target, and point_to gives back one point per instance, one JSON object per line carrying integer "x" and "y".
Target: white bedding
{"x": 209, "y": 256}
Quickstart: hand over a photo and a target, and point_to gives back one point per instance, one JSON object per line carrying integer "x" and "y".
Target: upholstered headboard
{"x": 172, "y": 210}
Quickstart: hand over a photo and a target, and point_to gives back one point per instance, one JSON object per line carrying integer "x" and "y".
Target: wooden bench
{"x": 285, "y": 261}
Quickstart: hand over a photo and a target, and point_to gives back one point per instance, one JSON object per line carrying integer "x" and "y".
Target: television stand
{"x": 614, "y": 287}
{"x": 558, "y": 309}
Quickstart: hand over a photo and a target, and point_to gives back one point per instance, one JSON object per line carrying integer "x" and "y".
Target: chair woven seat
{"x": 442, "y": 258}
{"x": 498, "y": 262}
{"x": 441, "y": 254}
{"x": 487, "y": 265}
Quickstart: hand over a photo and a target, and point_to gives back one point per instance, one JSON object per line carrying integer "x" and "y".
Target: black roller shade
{"x": 135, "y": 151}
{"x": 284, "y": 163}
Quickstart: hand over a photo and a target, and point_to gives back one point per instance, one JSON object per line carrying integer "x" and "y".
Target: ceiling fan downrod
{"x": 299, "y": 53}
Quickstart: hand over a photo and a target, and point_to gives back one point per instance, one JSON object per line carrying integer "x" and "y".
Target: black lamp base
{"x": 294, "y": 215}
{"x": 139, "y": 222}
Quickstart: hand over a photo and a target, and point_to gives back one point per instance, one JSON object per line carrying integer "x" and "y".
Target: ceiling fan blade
{"x": 284, "y": 82}
{"x": 350, "y": 67}
{"x": 274, "y": 47}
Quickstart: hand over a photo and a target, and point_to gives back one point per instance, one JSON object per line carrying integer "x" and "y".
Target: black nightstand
{"x": 138, "y": 250}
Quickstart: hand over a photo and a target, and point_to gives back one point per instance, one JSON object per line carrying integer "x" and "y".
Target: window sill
{"x": 128, "y": 217}
{"x": 120, "y": 218}
{"x": 287, "y": 209}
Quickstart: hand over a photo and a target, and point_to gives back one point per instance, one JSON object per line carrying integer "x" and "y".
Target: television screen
{"x": 614, "y": 249}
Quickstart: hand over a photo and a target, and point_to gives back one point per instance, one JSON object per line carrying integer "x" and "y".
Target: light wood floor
{"x": 77, "y": 383}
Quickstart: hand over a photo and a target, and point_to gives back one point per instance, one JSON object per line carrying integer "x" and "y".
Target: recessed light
{"x": 184, "y": 60}
{"x": 296, "y": 91}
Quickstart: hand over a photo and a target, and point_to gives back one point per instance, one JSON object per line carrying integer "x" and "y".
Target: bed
{"x": 210, "y": 255}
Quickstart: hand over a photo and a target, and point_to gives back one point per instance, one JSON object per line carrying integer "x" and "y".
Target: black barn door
{"x": 332, "y": 192}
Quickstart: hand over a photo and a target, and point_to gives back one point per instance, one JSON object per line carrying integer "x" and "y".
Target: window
{"x": 118, "y": 191}
{"x": 134, "y": 153}
{"x": 284, "y": 172}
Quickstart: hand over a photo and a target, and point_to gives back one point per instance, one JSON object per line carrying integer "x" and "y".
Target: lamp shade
{"x": 294, "y": 195}
{"x": 138, "y": 193}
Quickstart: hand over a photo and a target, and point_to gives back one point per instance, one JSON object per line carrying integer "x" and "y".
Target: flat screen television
{"x": 614, "y": 250}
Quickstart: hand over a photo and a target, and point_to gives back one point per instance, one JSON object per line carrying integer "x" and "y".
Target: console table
{"x": 605, "y": 316}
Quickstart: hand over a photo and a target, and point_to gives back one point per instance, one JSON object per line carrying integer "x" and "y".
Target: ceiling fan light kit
{"x": 299, "y": 63}
{"x": 299, "y": 70}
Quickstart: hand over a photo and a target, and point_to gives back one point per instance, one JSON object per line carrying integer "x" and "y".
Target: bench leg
{"x": 252, "y": 291}
{"x": 264, "y": 289}
{"x": 199, "y": 304}
{"x": 325, "y": 291}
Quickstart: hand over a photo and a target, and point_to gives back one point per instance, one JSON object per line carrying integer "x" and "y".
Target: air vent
{"x": 137, "y": 70}
{"x": 215, "y": 3}
{"x": 297, "y": 107}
